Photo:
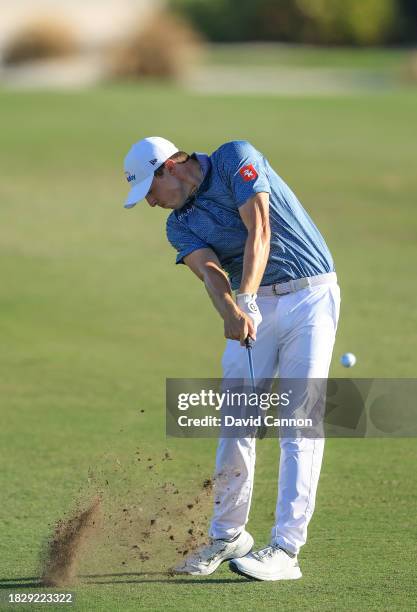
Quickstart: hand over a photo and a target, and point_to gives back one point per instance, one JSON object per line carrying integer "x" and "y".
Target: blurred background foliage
{"x": 329, "y": 22}
{"x": 167, "y": 47}
{"x": 179, "y": 40}
{"x": 40, "y": 39}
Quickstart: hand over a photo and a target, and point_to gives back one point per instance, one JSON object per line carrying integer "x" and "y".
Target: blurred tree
{"x": 282, "y": 21}
{"x": 43, "y": 38}
{"x": 219, "y": 20}
{"x": 407, "y": 30}
{"x": 371, "y": 21}
{"x": 357, "y": 22}
{"x": 166, "y": 48}
{"x": 361, "y": 22}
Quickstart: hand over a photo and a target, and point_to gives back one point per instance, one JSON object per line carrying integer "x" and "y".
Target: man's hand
{"x": 238, "y": 325}
{"x": 247, "y": 304}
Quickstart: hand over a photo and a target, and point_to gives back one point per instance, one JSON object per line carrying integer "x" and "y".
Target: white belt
{"x": 297, "y": 284}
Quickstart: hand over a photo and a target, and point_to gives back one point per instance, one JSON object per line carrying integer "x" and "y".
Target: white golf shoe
{"x": 270, "y": 563}
{"x": 207, "y": 559}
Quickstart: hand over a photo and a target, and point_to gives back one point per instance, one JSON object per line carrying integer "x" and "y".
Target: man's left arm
{"x": 255, "y": 216}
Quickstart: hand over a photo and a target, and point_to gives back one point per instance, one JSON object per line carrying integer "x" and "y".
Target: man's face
{"x": 168, "y": 191}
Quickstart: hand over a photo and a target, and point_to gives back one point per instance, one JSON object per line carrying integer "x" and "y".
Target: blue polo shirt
{"x": 235, "y": 172}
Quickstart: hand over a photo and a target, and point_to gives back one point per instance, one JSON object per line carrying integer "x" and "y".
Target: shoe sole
{"x": 207, "y": 573}
{"x": 237, "y": 570}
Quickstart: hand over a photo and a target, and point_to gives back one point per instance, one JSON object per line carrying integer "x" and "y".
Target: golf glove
{"x": 247, "y": 304}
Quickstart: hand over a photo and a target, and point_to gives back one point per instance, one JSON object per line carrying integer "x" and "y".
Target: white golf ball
{"x": 348, "y": 360}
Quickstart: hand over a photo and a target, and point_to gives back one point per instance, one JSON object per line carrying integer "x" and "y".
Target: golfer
{"x": 241, "y": 230}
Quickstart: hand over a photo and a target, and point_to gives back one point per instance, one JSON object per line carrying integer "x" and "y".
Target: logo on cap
{"x": 153, "y": 161}
{"x": 130, "y": 177}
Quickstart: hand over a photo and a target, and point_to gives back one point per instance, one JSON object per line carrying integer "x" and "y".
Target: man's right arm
{"x": 206, "y": 265}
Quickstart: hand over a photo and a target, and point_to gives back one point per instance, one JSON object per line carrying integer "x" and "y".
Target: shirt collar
{"x": 204, "y": 162}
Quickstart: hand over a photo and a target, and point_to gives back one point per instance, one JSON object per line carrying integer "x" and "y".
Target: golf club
{"x": 262, "y": 429}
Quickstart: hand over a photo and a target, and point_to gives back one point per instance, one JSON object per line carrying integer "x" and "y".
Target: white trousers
{"x": 295, "y": 340}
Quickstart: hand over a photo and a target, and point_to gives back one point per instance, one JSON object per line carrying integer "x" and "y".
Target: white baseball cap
{"x": 144, "y": 157}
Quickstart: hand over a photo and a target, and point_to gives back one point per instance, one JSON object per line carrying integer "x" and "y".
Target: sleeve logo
{"x": 248, "y": 173}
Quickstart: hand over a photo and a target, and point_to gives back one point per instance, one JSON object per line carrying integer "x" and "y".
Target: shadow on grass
{"x": 149, "y": 577}
{"x": 29, "y": 582}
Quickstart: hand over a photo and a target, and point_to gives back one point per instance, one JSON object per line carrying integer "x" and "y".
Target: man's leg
{"x": 307, "y": 322}
{"x": 235, "y": 459}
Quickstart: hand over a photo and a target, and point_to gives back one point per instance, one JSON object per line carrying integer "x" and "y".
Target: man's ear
{"x": 170, "y": 165}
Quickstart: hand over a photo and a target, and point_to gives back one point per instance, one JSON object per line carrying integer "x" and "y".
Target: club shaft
{"x": 262, "y": 428}
{"x": 251, "y": 369}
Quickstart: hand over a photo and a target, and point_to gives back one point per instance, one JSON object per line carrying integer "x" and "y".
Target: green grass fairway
{"x": 273, "y": 54}
{"x": 95, "y": 316}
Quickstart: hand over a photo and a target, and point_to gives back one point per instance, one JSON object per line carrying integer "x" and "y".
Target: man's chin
{"x": 172, "y": 206}
{"x": 168, "y": 206}
{"x": 176, "y": 206}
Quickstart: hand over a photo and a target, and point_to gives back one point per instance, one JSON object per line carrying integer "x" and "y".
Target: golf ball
{"x": 348, "y": 360}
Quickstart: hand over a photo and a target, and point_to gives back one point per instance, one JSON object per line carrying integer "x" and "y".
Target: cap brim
{"x": 138, "y": 192}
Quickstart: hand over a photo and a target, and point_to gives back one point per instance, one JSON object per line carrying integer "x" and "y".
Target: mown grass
{"x": 304, "y": 56}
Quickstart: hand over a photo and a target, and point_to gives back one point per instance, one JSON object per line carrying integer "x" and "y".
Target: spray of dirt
{"x": 140, "y": 521}
{"x": 150, "y": 524}
{"x": 68, "y": 543}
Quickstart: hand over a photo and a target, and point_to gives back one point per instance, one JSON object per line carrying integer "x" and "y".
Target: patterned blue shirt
{"x": 235, "y": 172}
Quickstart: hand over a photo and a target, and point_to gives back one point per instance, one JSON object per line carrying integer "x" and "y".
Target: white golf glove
{"x": 247, "y": 303}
